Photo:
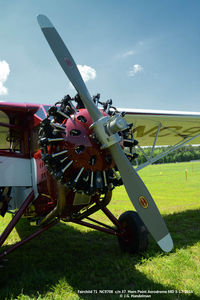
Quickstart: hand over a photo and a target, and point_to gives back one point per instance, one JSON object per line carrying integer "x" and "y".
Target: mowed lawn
{"x": 69, "y": 261}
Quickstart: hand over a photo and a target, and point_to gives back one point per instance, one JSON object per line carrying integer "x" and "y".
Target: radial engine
{"x": 73, "y": 154}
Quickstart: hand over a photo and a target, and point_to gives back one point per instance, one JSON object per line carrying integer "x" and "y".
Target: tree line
{"x": 185, "y": 153}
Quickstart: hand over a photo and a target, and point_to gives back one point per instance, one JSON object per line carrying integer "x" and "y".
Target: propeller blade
{"x": 137, "y": 191}
{"x": 68, "y": 65}
{"x": 141, "y": 199}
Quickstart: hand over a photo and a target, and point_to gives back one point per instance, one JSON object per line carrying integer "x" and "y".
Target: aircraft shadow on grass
{"x": 87, "y": 260}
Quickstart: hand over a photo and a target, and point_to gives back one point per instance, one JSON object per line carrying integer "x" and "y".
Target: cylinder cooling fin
{"x": 72, "y": 152}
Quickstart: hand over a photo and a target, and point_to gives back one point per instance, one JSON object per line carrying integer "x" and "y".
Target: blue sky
{"x": 143, "y": 54}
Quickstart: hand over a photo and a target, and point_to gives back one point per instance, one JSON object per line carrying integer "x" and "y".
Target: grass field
{"x": 68, "y": 259}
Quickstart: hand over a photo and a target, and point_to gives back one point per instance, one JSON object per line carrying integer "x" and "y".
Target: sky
{"x": 139, "y": 53}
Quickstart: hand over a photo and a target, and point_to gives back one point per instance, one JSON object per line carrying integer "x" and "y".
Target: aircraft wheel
{"x": 134, "y": 237}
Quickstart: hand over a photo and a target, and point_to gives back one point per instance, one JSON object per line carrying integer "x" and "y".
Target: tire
{"x": 134, "y": 237}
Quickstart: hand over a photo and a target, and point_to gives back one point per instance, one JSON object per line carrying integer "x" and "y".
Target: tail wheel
{"x": 134, "y": 238}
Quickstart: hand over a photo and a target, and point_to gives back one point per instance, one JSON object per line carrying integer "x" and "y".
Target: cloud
{"x": 137, "y": 48}
{"x": 125, "y": 54}
{"x": 128, "y": 53}
{"x": 135, "y": 69}
{"x": 4, "y": 72}
{"x": 87, "y": 72}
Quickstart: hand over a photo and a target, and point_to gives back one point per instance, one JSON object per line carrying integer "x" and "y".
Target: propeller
{"x": 106, "y": 129}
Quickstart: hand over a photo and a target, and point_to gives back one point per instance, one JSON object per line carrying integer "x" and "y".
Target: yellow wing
{"x": 164, "y": 127}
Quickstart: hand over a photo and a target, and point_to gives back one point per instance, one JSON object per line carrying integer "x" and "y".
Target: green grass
{"x": 68, "y": 258}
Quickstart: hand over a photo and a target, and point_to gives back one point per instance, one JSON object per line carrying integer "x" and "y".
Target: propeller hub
{"x": 83, "y": 147}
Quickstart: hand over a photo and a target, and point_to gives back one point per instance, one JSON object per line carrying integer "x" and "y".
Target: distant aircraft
{"x": 62, "y": 162}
